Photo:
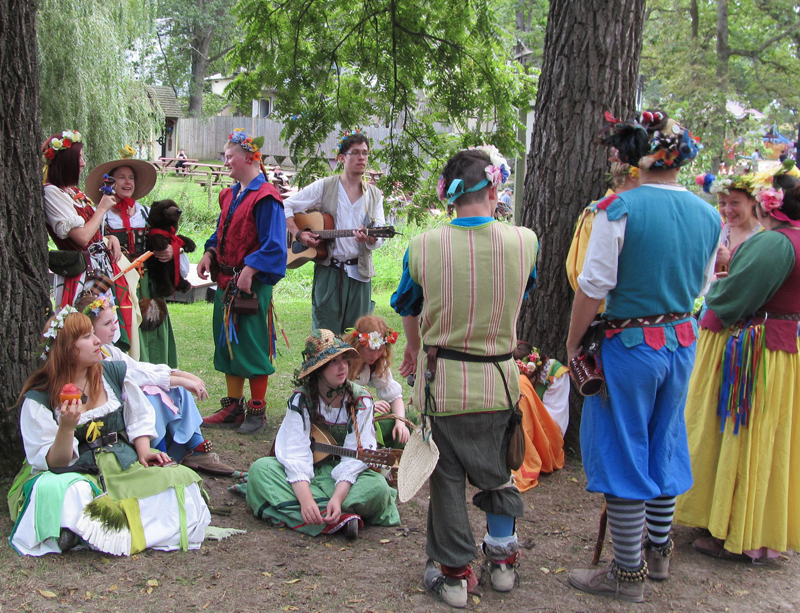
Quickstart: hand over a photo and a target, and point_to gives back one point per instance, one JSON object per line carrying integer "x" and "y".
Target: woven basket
{"x": 417, "y": 463}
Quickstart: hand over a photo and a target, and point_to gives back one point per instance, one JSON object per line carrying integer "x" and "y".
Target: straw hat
{"x": 144, "y": 172}
{"x": 321, "y": 347}
{"x": 419, "y": 458}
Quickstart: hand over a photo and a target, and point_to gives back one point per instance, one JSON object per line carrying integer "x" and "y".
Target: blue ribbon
{"x": 454, "y": 192}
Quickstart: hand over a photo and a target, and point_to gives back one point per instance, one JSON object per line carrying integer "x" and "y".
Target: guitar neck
{"x": 329, "y": 234}
{"x": 334, "y": 450}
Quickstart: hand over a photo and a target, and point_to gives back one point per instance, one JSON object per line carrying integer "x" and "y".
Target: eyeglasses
{"x": 363, "y": 154}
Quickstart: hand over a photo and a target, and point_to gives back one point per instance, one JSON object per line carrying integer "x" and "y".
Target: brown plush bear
{"x": 165, "y": 277}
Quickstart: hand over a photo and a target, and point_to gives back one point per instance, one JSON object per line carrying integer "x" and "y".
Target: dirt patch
{"x": 273, "y": 569}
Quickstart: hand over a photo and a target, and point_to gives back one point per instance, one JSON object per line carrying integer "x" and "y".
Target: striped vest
{"x": 473, "y": 281}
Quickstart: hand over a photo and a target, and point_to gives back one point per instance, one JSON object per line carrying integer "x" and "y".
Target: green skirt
{"x": 156, "y": 346}
{"x": 272, "y": 498}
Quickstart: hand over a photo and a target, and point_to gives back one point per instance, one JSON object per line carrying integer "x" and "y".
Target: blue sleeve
{"x": 270, "y": 259}
{"x": 408, "y": 299}
{"x": 212, "y": 240}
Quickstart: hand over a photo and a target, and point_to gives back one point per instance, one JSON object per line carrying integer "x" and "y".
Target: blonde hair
{"x": 367, "y": 324}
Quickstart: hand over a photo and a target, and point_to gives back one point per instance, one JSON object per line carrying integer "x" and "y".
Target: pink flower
{"x": 441, "y": 188}
{"x": 770, "y": 199}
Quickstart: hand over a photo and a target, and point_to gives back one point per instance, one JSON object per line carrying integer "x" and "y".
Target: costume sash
{"x": 176, "y": 242}
{"x": 123, "y": 207}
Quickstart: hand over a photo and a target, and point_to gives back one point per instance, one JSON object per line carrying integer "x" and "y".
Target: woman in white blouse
{"x": 90, "y": 474}
{"x": 290, "y": 489}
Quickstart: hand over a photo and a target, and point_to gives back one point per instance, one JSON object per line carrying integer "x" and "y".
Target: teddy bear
{"x": 163, "y": 225}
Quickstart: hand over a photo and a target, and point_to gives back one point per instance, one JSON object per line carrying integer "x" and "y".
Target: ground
{"x": 273, "y": 569}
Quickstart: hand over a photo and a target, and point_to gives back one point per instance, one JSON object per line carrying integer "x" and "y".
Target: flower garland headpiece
{"x": 497, "y": 173}
{"x": 59, "y": 144}
{"x": 374, "y": 339}
{"x": 253, "y": 145}
{"x": 770, "y": 198}
{"x": 528, "y": 365}
{"x": 345, "y": 135}
{"x": 723, "y": 184}
{"x": 104, "y": 301}
{"x": 127, "y": 152}
{"x": 672, "y": 147}
{"x": 55, "y": 327}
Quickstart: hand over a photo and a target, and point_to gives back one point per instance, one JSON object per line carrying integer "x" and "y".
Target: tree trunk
{"x": 199, "y": 65}
{"x": 24, "y": 291}
{"x": 590, "y": 65}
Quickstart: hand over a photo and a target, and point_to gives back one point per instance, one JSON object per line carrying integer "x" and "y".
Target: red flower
{"x": 67, "y": 142}
{"x": 391, "y": 337}
{"x": 49, "y": 154}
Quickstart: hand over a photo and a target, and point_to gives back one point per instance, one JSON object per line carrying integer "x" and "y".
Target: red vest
{"x": 787, "y": 298}
{"x": 241, "y": 238}
{"x": 86, "y": 212}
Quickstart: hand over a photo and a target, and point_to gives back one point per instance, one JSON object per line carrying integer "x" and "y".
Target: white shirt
{"x": 293, "y": 448}
{"x": 59, "y": 207}
{"x": 349, "y": 216}
{"x": 141, "y": 373}
{"x": 599, "y": 275}
{"x": 386, "y": 388}
{"x": 39, "y": 426}
{"x": 556, "y": 397}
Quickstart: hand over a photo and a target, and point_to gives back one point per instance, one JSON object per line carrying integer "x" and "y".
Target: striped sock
{"x": 626, "y": 524}
{"x": 659, "y": 512}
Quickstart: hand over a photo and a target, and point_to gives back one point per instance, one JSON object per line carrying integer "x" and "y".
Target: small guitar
{"x": 324, "y": 445}
{"x": 321, "y": 224}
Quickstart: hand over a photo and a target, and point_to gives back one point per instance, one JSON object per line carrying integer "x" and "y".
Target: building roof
{"x": 166, "y": 99}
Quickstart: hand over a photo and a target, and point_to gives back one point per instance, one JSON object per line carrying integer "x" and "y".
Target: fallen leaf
{"x": 328, "y": 545}
{"x": 574, "y": 480}
{"x": 113, "y": 588}
{"x": 289, "y": 607}
{"x": 149, "y": 591}
{"x": 355, "y": 601}
{"x": 152, "y": 582}
{"x": 560, "y": 570}
{"x": 342, "y": 548}
{"x": 741, "y": 593}
{"x": 47, "y": 593}
{"x": 544, "y": 570}
{"x": 105, "y": 560}
{"x": 205, "y": 606}
{"x": 134, "y": 557}
{"x": 476, "y": 600}
{"x": 88, "y": 596}
{"x": 267, "y": 574}
{"x": 292, "y": 581}
{"x": 384, "y": 541}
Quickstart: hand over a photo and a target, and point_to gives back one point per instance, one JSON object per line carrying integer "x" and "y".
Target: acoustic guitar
{"x": 323, "y": 225}
{"x": 324, "y": 445}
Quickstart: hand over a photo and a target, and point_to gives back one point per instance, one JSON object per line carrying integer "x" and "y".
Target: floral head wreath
{"x": 345, "y": 135}
{"x": 54, "y": 145}
{"x": 724, "y": 184}
{"x": 670, "y": 148}
{"x": 55, "y": 327}
{"x": 528, "y": 365}
{"x": 104, "y": 301}
{"x": 770, "y": 198}
{"x": 374, "y": 339}
{"x": 252, "y": 145}
{"x": 497, "y": 173}
{"x": 126, "y": 152}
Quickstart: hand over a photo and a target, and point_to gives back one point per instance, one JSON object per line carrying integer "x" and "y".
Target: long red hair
{"x": 59, "y": 368}
{"x": 367, "y": 324}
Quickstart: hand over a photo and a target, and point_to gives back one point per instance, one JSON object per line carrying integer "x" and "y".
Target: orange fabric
{"x": 544, "y": 445}
{"x": 235, "y": 386}
{"x": 258, "y": 387}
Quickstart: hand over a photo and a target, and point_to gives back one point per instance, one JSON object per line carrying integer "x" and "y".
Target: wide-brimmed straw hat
{"x": 321, "y": 347}
{"x": 145, "y": 174}
{"x": 418, "y": 461}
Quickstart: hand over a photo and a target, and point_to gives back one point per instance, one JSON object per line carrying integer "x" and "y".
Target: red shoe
{"x": 230, "y": 415}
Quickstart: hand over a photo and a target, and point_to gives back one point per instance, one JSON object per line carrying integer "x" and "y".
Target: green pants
{"x": 272, "y": 498}
{"x": 337, "y": 301}
{"x": 384, "y": 427}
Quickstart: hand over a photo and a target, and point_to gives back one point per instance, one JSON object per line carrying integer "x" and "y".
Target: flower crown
{"x": 374, "y": 339}
{"x": 59, "y": 144}
{"x": 127, "y": 152}
{"x": 528, "y": 365}
{"x": 345, "y": 135}
{"x": 55, "y": 326}
{"x": 497, "y": 173}
{"x": 672, "y": 148}
{"x": 239, "y": 137}
{"x": 723, "y": 185}
{"x": 770, "y": 198}
{"x": 104, "y": 301}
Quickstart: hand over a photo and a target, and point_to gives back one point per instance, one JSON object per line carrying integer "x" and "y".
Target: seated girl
{"x": 177, "y": 418}
{"x": 373, "y": 340}
{"x": 90, "y": 472}
{"x": 331, "y": 494}
{"x": 544, "y": 436}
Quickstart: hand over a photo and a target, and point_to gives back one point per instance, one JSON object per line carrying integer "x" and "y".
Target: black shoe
{"x": 67, "y": 540}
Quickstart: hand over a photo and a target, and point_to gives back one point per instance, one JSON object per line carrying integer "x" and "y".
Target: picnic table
{"x": 164, "y": 165}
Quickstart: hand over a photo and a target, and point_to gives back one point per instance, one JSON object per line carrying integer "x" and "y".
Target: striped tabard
{"x": 473, "y": 281}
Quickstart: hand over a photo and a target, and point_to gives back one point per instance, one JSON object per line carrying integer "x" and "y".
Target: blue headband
{"x": 453, "y": 192}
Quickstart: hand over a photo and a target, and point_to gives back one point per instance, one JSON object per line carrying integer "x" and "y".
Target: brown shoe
{"x": 255, "y": 419}
{"x": 606, "y": 582}
{"x": 657, "y": 558}
{"x": 229, "y": 416}
{"x": 208, "y": 463}
{"x": 715, "y": 548}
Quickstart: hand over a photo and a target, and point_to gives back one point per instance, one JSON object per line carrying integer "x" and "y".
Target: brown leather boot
{"x": 255, "y": 419}
{"x": 611, "y": 582}
{"x": 657, "y": 558}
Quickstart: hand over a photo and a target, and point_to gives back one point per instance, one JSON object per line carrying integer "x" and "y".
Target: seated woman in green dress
{"x": 323, "y": 497}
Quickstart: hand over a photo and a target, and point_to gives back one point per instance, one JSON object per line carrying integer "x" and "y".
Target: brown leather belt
{"x": 457, "y": 356}
{"x": 645, "y": 322}
{"x": 781, "y": 316}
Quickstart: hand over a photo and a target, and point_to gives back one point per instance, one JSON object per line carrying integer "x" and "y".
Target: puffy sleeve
{"x": 142, "y": 373}
{"x": 292, "y": 444}
{"x": 599, "y": 275}
{"x": 140, "y": 417}
{"x": 556, "y": 401}
{"x": 386, "y": 388}
{"x": 350, "y": 468}
{"x": 39, "y": 428}
{"x": 60, "y": 211}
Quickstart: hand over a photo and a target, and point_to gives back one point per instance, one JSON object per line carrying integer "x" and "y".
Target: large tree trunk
{"x": 24, "y": 291}
{"x": 590, "y": 65}
{"x": 199, "y": 65}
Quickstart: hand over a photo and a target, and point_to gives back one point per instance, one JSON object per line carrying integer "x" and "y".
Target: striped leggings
{"x": 626, "y": 522}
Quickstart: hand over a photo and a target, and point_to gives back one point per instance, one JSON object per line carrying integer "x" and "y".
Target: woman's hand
{"x": 723, "y": 257}
{"x": 197, "y": 388}
{"x": 400, "y": 432}
{"x": 106, "y": 204}
{"x": 165, "y": 255}
{"x": 334, "y": 510}
{"x": 69, "y": 414}
{"x": 311, "y": 514}
{"x": 382, "y": 407}
{"x": 158, "y": 458}
{"x": 114, "y": 246}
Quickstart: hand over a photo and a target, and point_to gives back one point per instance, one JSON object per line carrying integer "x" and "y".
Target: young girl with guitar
{"x": 301, "y": 487}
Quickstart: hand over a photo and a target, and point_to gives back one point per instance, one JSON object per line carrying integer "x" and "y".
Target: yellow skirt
{"x": 746, "y": 488}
